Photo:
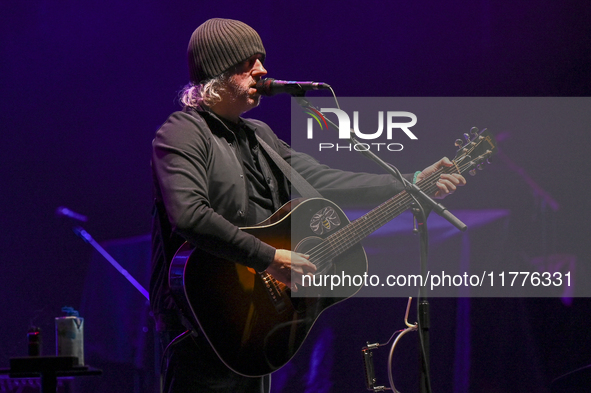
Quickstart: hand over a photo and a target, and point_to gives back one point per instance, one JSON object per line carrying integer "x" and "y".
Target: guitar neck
{"x": 468, "y": 157}
{"x": 365, "y": 225}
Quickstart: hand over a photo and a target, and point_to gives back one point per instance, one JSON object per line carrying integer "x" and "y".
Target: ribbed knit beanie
{"x": 218, "y": 44}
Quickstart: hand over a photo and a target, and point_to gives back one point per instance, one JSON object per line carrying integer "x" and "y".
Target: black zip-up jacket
{"x": 201, "y": 194}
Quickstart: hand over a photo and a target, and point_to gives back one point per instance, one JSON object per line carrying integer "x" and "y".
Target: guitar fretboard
{"x": 359, "y": 229}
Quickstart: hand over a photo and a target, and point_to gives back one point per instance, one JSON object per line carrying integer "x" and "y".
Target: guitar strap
{"x": 301, "y": 185}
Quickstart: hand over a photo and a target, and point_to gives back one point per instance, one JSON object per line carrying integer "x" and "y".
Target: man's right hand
{"x": 286, "y": 262}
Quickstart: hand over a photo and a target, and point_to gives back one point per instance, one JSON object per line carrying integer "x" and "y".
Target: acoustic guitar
{"x": 253, "y": 322}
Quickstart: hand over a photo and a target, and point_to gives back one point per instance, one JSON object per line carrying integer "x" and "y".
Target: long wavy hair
{"x": 207, "y": 92}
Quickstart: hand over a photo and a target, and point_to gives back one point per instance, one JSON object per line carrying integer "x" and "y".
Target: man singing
{"x": 212, "y": 176}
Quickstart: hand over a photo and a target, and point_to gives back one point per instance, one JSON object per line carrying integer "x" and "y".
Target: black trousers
{"x": 191, "y": 366}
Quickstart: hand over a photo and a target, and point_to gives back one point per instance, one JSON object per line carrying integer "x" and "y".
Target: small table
{"x": 48, "y": 368}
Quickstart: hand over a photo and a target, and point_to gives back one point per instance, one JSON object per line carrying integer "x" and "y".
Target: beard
{"x": 239, "y": 92}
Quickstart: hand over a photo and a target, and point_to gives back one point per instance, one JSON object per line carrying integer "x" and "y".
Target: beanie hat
{"x": 218, "y": 44}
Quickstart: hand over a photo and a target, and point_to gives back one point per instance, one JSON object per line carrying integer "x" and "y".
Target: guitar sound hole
{"x": 317, "y": 258}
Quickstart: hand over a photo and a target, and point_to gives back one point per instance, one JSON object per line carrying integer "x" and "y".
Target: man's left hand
{"x": 448, "y": 183}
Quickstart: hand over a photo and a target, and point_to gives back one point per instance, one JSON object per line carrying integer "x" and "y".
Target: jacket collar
{"x": 222, "y": 125}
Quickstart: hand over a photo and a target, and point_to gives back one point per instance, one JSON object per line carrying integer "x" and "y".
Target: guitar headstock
{"x": 477, "y": 148}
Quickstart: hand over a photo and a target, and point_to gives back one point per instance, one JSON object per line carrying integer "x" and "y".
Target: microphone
{"x": 65, "y": 212}
{"x": 270, "y": 86}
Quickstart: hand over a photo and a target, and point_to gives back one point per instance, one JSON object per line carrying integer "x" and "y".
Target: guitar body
{"x": 252, "y": 321}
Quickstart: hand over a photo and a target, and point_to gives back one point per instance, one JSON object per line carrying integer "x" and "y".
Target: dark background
{"x": 84, "y": 86}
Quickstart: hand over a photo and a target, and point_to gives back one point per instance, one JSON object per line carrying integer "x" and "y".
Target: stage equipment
{"x": 366, "y": 352}
{"x": 84, "y": 235}
{"x": 270, "y": 87}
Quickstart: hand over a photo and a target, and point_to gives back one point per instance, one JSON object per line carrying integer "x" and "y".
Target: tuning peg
{"x": 480, "y": 166}
{"x": 459, "y": 143}
{"x": 474, "y": 131}
{"x": 467, "y": 137}
{"x": 472, "y": 171}
{"x": 488, "y": 160}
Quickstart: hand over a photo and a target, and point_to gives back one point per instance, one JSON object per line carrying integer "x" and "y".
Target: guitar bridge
{"x": 273, "y": 289}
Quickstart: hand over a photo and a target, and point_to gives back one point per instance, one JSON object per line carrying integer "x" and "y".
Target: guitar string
{"x": 329, "y": 249}
{"x": 325, "y": 252}
{"x": 403, "y": 200}
{"x": 326, "y": 248}
{"x": 386, "y": 216}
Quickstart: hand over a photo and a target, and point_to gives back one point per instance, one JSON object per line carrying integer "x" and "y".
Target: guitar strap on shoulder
{"x": 302, "y": 186}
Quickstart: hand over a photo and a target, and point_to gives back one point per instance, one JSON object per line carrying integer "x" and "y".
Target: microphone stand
{"x": 422, "y": 200}
{"x": 79, "y": 231}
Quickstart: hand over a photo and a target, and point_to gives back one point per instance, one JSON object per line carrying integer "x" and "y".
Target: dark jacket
{"x": 201, "y": 193}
